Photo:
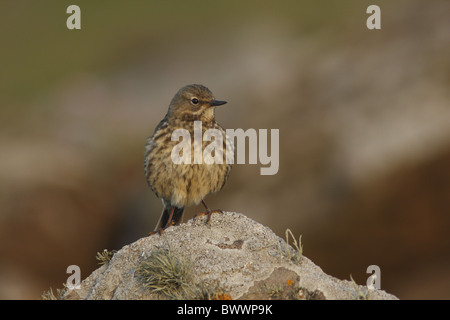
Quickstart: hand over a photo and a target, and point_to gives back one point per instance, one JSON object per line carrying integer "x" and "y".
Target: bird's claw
{"x": 208, "y": 214}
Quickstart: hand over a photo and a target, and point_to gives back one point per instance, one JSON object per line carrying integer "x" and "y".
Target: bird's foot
{"x": 208, "y": 213}
{"x": 161, "y": 230}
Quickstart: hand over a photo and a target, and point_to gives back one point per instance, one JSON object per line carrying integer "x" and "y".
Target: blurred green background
{"x": 364, "y": 120}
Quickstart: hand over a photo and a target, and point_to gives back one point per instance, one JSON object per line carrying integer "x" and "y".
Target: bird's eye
{"x": 194, "y": 100}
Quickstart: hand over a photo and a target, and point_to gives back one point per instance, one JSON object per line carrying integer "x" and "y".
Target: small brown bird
{"x": 182, "y": 185}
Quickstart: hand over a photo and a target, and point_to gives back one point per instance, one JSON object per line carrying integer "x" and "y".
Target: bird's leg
{"x": 168, "y": 224}
{"x": 208, "y": 212}
{"x": 169, "y": 221}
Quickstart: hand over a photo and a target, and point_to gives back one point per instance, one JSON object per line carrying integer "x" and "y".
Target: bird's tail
{"x": 177, "y": 216}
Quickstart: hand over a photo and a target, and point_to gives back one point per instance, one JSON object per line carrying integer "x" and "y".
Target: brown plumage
{"x": 182, "y": 185}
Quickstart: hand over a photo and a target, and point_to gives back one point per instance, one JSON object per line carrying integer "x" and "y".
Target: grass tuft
{"x": 104, "y": 256}
{"x": 171, "y": 275}
{"x": 165, "y": 273}
{"x": 295, "y": 255}
{"x": 359, "y": 294}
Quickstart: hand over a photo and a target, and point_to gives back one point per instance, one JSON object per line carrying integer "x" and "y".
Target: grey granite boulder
{"x": 232, "y": 257}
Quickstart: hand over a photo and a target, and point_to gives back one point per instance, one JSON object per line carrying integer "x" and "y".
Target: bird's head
{"x": 194, "y": 102}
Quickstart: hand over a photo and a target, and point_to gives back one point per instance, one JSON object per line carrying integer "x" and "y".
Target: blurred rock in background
{"x": 364, "y": 120}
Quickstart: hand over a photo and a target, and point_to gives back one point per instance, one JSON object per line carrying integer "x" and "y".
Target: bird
{"x": 180, "y": 185}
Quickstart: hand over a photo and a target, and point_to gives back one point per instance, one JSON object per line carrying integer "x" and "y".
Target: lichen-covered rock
{"x": 231, "y": 257}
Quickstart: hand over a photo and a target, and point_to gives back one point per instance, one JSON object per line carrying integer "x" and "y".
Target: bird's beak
{"x": 215, "y": 103}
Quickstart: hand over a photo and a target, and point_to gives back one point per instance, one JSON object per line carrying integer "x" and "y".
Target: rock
{"x": 232, "y": 257}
